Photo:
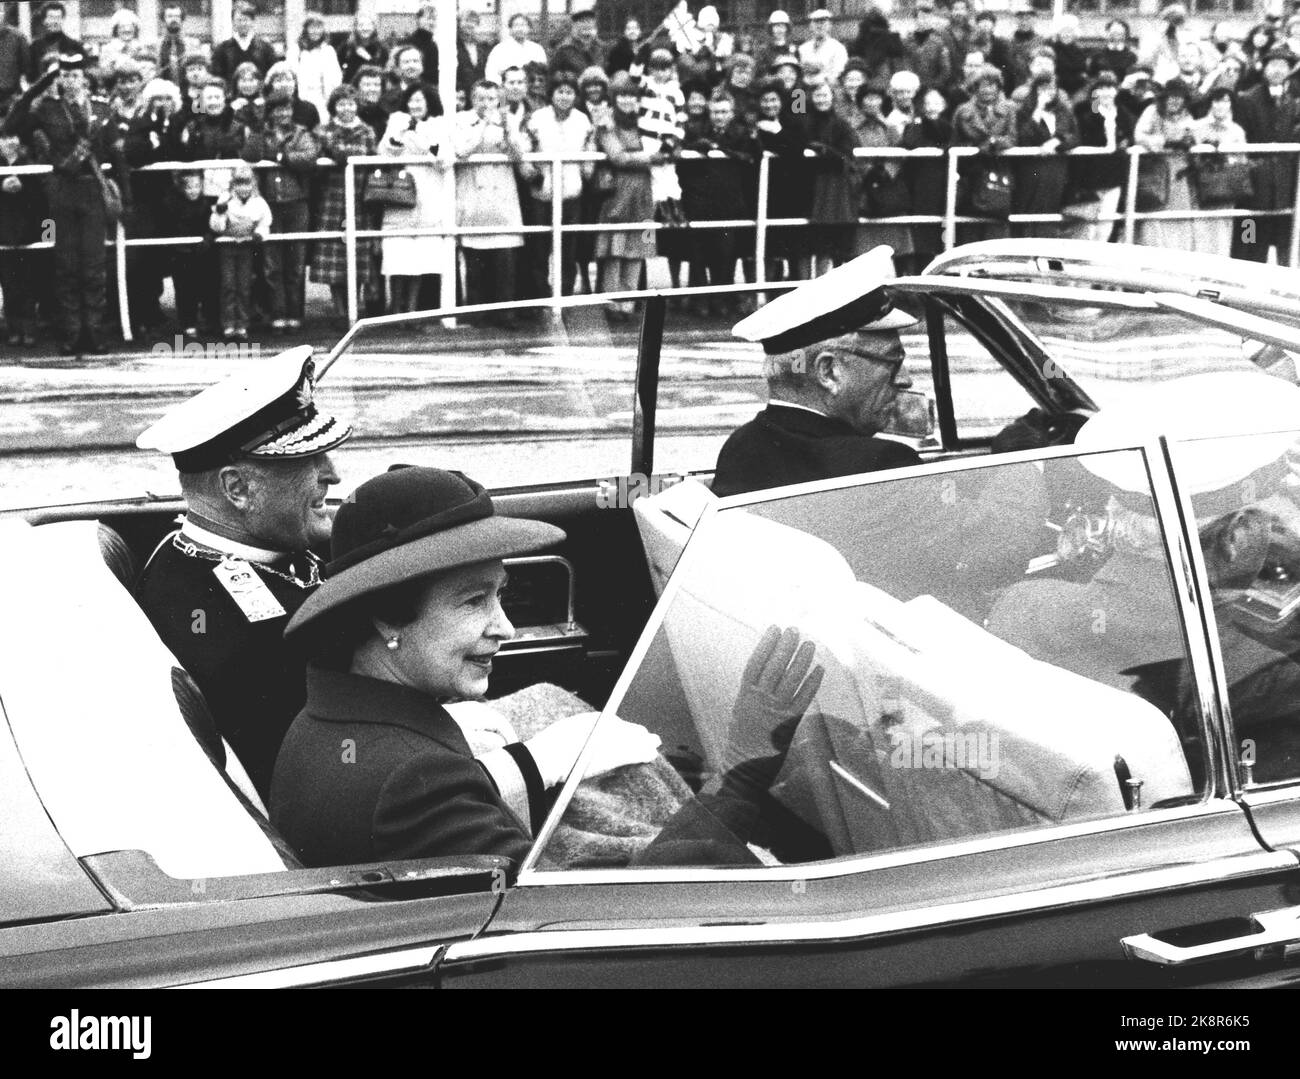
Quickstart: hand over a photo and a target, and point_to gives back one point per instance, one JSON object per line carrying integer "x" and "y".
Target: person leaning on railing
{"x": 294, "y": 151}
{"x": 559, "y": 128}
{"x": 834, "y": 171}
{"x": 927, "y": 177}
{"x": 344, "y": 135}
{"x": 1166, "y": 128}
{"x": 151, "y": 137}
{"x": 880, "y": 176}
{"x": 486, "y": 195}
{"x": 625, "y": 180}
{"x": 723, "y": 188}
{"x": 787, "y": 188}
{"x": 1097, "y": 181}
{"x": 415, "y": 129}
{"x": 1270, "y": 112}
{"x": 1217, "y": 130}
{"x": 988, "y": 121}
{"x": 1044, "y": 120}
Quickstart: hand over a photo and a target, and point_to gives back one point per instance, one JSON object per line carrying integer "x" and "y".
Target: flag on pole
{"x": 682, "y": 31}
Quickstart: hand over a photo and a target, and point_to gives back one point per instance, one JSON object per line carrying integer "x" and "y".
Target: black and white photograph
{"x": 645, "y": 494}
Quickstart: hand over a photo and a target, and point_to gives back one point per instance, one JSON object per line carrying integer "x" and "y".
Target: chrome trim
{"x": 1177, "y": 524}
{"x": 1284, "y": 792}
{"x": 870, "y": 925}
{"x": 851, "y": 865}
{"x": 330, "y": 971}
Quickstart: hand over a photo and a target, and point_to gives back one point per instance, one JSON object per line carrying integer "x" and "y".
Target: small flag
{"x": 682, "y": 31}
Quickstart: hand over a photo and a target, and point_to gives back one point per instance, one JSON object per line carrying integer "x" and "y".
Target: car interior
{"x": 580, "y": 616}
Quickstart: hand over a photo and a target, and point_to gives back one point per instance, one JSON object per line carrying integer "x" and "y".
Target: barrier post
{"x": 1130, "y": 195}
{"x": 1293, "y": 256}
{"x": 557, "y": 230}
{"x": 760, "y": 220}
{"x": 950, "y": 202}
{"x": 350, "y": 236}
{"x": 119, "y": 259}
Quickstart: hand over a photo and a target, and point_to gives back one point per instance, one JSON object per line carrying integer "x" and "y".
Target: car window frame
{"x": 1188, "y": 599}
{"x": 1285, "y": 789}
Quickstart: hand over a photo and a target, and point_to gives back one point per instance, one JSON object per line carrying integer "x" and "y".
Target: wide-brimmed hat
{"x": 407, "y": 524}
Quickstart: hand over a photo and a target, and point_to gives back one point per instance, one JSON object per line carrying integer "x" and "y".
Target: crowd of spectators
{"x": 683, "y": 115}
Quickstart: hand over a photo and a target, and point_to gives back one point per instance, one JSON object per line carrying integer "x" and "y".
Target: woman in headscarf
{"x": 834, "y": 175}
{"x": 408, "y": 622}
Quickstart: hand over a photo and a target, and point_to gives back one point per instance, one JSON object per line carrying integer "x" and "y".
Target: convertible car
{"x": 1055, "y": 741}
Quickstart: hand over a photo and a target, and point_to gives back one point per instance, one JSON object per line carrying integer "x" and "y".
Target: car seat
{"x": 895, "y": 674}
{"x": 665, "y": 522}
{"x": 88, "y": 691}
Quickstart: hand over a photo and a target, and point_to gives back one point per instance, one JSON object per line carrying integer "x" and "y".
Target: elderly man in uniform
{"x": 835, "y": 373}
{"x": 253, "y": 457}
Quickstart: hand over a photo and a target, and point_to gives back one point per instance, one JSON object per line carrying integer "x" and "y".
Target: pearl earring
{"x": 394, "y": 643}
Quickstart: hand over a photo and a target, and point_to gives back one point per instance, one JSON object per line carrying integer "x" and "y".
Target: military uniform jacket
{"x": 253, "y": 680}
{"x": 55, "y": 129}
{"x": 372, "y": 770}
{"x": 784, "y": 445}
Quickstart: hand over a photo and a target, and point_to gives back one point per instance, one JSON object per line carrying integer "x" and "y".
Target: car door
{"x": 1089, "y": 832}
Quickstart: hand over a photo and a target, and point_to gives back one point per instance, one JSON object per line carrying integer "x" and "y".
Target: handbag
{"x": 884, "y": 195}
{"x": 1153, "y": 185}
{"x": 991, "y": 191}
{"x": 1221, "y": 182}
{"x": 603, "y": 179}
{"x": 389, "y": 187}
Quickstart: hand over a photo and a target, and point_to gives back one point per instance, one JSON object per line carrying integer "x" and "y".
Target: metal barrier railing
{"x": 352, "y": 235}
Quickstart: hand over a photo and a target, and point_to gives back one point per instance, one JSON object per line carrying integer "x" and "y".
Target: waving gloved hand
{"x": 617, "y": 743}
{"x": 777, "y": 686}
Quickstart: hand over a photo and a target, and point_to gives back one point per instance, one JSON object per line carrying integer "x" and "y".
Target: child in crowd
{"x": 246, "y": 217}
{"x": 185, "y": 213}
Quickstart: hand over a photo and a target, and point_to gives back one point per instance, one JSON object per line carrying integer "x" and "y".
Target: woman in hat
{"x": 1167, "y": 128}
{"x": 409, "y": 619}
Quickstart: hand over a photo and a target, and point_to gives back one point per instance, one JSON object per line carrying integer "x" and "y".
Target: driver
{"x": 835, "y": 369}
{"x": 836, "y": 372}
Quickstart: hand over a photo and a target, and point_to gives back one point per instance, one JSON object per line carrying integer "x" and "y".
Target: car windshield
{"x": 993, "y": 647}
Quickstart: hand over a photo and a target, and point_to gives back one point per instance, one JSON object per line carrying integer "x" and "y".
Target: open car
{"x": 1056, "y": 741}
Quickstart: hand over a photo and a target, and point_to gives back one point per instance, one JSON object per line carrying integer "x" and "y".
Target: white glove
{"x": 484, "y": 728}
{"x": 617, "y": 743}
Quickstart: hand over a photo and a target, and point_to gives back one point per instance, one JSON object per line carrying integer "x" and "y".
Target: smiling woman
{"x": 375, "y": 765}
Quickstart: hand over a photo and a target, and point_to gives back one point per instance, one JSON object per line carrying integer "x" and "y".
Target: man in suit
{"x": 834, "y": 370}
{"x": 244, "y": 46}
{"x": 253, "y": 457}
{"x": 1269, "y": 112}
